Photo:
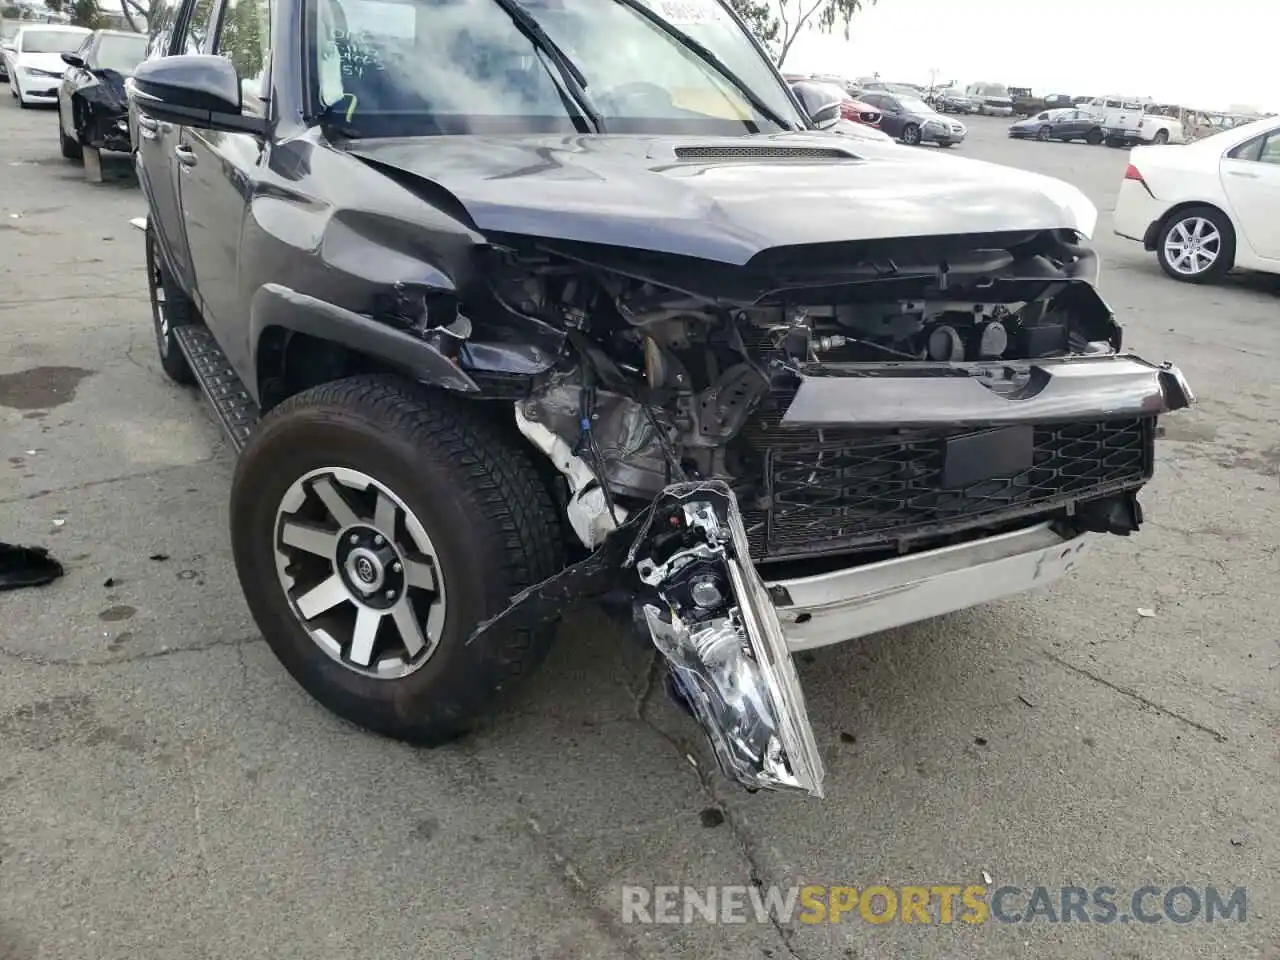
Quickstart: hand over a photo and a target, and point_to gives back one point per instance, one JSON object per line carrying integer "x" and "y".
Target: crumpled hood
{"x": 727, "y": 198}
{"x": 107, "y": 96}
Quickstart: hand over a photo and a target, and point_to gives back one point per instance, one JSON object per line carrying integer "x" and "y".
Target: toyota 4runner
{"x": 513, "y": 305}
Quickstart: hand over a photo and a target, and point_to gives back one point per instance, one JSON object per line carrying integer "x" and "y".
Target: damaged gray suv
{"x": 510, "y": 306}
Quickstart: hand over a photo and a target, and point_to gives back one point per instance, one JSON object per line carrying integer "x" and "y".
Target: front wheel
{"x": 1093, "y": 137}
{"x": 374, "y": 525}
{"x": 1044, "y": 133}
{"x": 911, "y": 135}
{"x": 70, "y": 148}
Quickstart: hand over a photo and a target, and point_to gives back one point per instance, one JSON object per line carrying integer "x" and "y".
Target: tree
{"x": 778, "y": 23}
{"x": 83, "y": 13}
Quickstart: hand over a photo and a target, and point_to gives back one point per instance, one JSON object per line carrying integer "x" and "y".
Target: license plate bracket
{"x": 987, "y": 454}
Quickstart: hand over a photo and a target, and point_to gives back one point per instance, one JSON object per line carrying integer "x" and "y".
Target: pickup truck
{"x": 499, "y": 324}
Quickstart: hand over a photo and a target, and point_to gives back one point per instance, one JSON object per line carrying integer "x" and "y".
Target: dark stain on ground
{"x": 426, "y": 828}
{"x": 69, "y": 719}
{"x": 35, "y": 415}
{"x": 120, "y": 640}
{"x": 121, "y": 611}
{"x": 40, "y": 387}
{"x": 711, "y": 817}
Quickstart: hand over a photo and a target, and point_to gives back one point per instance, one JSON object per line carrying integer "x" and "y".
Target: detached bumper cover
{"x": 927, "y": 395}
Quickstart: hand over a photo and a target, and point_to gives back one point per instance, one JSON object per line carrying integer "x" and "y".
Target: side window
{"x": 196, "y": 27}
{"x": 1249, "y": 150}
{"x": 244, "y": 38}
{"x": 1270, "y": 152}
{"x": 161, "y": 23}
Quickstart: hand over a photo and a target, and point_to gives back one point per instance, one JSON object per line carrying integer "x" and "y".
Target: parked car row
{"x": 82, "y": 72}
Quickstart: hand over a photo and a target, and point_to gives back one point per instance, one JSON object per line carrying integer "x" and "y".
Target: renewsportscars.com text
{"x": 933, "y": 904}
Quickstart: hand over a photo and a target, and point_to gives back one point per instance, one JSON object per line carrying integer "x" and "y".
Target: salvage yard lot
{"x": 166, "y": 790}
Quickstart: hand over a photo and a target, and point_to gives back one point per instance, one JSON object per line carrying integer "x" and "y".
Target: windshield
{"x": 121, "y": 54}
{"x": 51, "y": 41}
{"x": 419, "y": 67}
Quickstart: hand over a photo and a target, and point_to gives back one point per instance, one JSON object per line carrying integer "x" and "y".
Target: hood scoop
{"x": 761, "y": 152}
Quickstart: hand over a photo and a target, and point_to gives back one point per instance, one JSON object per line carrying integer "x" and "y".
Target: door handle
{"x": 148, "y": 127}
{"x": 186, "y": 156}
{"x": 1242, "y": 173}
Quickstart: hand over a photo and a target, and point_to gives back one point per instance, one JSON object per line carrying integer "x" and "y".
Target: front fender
{"x": 274, "y": 305}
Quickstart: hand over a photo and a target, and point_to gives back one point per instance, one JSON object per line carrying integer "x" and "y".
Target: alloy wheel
{"x": 159, "y": 305}
{"x": 1192, "y": 246}
{"x": 911, "y": 135}
{"x": 360, "y": 572}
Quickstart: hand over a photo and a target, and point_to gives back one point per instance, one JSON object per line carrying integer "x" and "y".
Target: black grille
{"x": 761, "y": 153}
{"x": 845, "y": 490}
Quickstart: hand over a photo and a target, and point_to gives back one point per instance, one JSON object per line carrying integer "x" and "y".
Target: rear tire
{"x": 1189, "y": 264}
{"x": 1161, "y": 137}
{"x": 1093, "y": 137}
{"x": 170, "y": 308}
{"x": 481, "y": 507}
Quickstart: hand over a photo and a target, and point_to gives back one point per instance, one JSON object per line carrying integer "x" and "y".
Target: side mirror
{"x": 817, "y": 103}
{"x": 193, "y": 90}
{"x": 73, "y": 60}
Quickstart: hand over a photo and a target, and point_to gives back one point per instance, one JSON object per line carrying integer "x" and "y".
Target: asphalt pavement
{"x": 167, "y": 791}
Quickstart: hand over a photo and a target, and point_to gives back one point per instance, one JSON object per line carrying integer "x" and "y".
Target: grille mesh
{"x": 844, "y": 490}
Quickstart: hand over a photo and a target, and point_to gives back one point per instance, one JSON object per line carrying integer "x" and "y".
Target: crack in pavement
{"x": 741, "y": 835}
{"x": 1135, "y": 695}
{"x": 35, "y": 660}
{"x": 154, "y": 471}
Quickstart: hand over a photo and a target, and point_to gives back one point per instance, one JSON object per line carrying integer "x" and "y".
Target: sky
{"x": 1212, "y": 55}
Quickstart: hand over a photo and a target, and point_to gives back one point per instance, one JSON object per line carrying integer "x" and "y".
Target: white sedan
{"x": 35, "y": 62}
{"x": 1208, "y": 206}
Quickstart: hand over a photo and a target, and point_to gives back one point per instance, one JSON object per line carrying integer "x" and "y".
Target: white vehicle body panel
{"x": 1247, "y": 191}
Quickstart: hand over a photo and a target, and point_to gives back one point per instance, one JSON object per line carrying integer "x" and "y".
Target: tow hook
{"x": 710, "y": 615}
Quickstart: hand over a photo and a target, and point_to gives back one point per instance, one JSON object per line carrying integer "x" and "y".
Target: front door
{"x": 1251, "y": 179}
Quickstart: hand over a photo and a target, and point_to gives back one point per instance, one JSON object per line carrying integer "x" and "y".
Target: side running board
{"x": 227, "y": 394}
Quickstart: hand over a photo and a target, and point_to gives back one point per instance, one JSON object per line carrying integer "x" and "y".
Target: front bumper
{"x": 109, "y": 132}
{"x": 845, "y": 604}
{"x": 935, "y": 134}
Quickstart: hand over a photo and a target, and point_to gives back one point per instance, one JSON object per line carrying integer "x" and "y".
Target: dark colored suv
{"x": 511, "y": 305}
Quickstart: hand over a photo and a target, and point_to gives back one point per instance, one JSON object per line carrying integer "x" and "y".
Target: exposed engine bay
{"x": 839, "y": 406}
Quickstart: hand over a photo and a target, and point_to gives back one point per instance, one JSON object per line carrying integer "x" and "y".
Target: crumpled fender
{"x": 274, "y": 305}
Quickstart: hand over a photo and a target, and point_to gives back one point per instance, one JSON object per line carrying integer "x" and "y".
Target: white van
{"x": 993, "y": 98}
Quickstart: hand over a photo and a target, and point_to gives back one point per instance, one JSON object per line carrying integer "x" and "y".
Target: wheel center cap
{"x": 365, "y": 570}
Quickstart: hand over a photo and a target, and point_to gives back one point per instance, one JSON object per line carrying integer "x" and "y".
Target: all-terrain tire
{"x": 176, "y": 309}
{"x": 486, "y": 510}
